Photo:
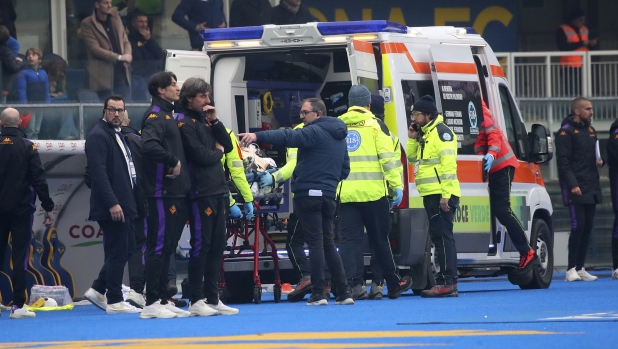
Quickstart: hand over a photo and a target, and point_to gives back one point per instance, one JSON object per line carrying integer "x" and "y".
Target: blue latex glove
{"x": 235, "y": 211}
{"x": 398, "y": 198}
{"x": 489, "y": 159}
{"x": 248, "y": 208}
{"x": 250, "y": 177}
{"x": 266, "y": 179}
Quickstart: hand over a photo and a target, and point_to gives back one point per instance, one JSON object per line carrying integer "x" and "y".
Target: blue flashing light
{"x": 238, "y": 33}
{"x": 358, "y": 27}
{"x": 471, "y": 30}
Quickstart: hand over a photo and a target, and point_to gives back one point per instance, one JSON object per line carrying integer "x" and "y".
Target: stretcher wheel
{"x": 222, "y": 297}
{"x": 277, "y": 292}
{"x": 257, "y": 294}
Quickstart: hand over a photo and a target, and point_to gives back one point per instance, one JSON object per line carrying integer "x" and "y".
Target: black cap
{"x": 377, "y": 105}
{"x": 426, "y": 105}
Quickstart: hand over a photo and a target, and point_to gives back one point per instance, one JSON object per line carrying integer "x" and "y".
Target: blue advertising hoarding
{"x": 494, "y": 19}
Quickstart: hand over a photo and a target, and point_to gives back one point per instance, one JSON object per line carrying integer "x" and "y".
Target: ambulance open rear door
{"x": 458, "y": 97}
{"x": 363, "y": 68}
{"x": 187, "y": 64}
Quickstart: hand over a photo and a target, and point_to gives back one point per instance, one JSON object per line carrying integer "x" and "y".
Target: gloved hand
{"x": 398, "y": 198}
{"x": 248, "y": 208}
{"x": 250, "y": 177}
{"x": 235, "y": 211}
{"x": 266, "y": 179}
{"x": 489, "y": 159}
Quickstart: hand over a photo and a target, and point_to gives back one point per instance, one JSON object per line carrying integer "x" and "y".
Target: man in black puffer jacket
{"x": 578, "y": 162}
{"x": 322, "y": 163}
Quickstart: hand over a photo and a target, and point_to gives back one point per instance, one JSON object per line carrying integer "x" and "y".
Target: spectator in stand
{"x": 33, "y": 87}
{"x": 8, "y": 16}
{"x": 292, "y": 12}
{"x": 147, "y": 53}
{"x": 246, "y": 13}
{"x": 13, "y": 44}
{"x": 197, "y": 15}
{"x": 573, "y": 36}
{"x": 56, "y": 74}
{"x": 10, "y": 64}
{"x": 109, "y": 51}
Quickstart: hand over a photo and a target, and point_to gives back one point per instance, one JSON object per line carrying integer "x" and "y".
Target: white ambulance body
{"x": 260, "y": 74}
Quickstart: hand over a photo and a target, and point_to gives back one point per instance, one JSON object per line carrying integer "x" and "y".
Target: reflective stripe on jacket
{"x": 374, "y": 167}
{"x": 573, "y": 36}
{"x": 233, "y": 161}
{"x": 436, "y": 153}
{"x": 491, "y": 140}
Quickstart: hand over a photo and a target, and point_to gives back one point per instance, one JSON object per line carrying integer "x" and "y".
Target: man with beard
{"x": 576, "y": 143}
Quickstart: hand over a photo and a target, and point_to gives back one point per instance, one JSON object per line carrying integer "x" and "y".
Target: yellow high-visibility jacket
{"x": 233, "y": 162}
{"x": 434, "y": 158}
{"x": 374, "y": 167}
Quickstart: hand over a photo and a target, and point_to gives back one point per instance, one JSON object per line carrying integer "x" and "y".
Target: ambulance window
{"x": 340, "y": 62}
{"x": 515, "y": 128}
{"x": 412, "y": 91}
{"x": 285, "y": 66}
{"x": 462, "y": 111}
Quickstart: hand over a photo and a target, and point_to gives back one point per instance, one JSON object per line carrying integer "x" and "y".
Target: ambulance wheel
{"x": 257, "y": 294}
{"x": 541, "y": 240}
{"x": 430, "y": 270}
{"x": 277, "y": 292}
{"x": 222, "y": 296}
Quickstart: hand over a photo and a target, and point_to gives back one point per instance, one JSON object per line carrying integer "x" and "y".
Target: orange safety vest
{"x": 491, "y": 140}
{"x": 573, "y": 37}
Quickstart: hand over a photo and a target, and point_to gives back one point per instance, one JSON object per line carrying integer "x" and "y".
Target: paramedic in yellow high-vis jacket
{"x": 374, "y": 171}
{"x": 234, "y": 164}
{"x": 432, "y": 150}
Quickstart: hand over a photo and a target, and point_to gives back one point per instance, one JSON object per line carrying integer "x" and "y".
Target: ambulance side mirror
{"x": 542, "y": 149}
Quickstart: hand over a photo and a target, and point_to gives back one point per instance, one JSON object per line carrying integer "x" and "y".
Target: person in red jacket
{"x": 500, "y": 162}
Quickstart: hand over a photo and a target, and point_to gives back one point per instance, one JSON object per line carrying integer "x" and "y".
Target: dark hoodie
{"x": 575, "y": 150}
{"x": 322, "y": 154}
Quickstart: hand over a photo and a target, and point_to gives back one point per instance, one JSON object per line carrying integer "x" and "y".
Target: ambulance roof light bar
{"x": 359, "y": 27}
{"x": 237, "y": 33}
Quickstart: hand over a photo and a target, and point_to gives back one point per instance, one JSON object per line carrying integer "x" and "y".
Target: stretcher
{"x": 243, "y": 236}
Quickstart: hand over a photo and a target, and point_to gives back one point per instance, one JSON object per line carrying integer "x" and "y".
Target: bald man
{"x": 20, "y": 170}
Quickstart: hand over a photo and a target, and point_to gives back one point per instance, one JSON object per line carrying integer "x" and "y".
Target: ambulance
{"x": 260, "y": 75}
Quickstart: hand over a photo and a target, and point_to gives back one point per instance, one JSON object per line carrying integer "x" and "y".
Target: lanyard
{"x": 127, "y": 154}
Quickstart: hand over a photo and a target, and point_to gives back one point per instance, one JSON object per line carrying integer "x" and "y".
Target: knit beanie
{"x": 426, "y": 105}
{"x": 359, "y": 96}
{"x": 377, "y": 105}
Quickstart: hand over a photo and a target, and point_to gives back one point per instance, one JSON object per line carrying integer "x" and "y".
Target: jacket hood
{"x": 332, "y": 125}
{"x": 355, "y": 115}
{"x": 13, "y": 131}
{"x": 614, "y": 126}
{"x": 570, "y": 120}
{"x": 432, "y": 124}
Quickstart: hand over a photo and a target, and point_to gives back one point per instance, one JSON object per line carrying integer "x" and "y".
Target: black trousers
{"x": 295, "y": 245}
{"x": 374, "y": 264}
{"x": 20, "y": 225}
{"x": 613, "y": 185}
{"x": 500, "y": 204}
{"x": 315, "y": 214}
{"x": 441, "y": 232}
{"x": 166, "y": 220}
{"x": 136, "y": 262}
{"x": 118, "y": 246}
{"x": 207, "y": 220}
{"x": 582, "y": 222}
{"x": 355, "y": 218}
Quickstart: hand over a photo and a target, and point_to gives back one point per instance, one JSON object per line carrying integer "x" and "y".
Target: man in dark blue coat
{"x": 321, "y": 164}
{"x": 197, "y": 15}
{"x": 112, "y": 204}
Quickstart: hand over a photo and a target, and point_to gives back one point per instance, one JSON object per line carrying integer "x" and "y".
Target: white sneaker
{"x": 583, "y": 274}
{"x": 179, "y": 312}
{"x": 615, "y": 274}
{"x": 99, "y": 300}
{"x": 21, "y": 313}
{"x": 156, "y": 311}
{"x": 223, "y": 309}
{"x": 122, "y": 308}
{"x": 571, "y": 275}
{"x": 136, "y": 299}
{"x": 200, "y": 308}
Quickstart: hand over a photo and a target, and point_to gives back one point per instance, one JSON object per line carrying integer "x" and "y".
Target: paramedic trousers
{"x": 20, "y": 226}
{"x": 441, "y": 232}
{"x": 164, "y": 225}
{"x": 315, "y": 215}
{"x": 118, "y": 246}
{"x": 500, "y": 203}
{"x": 207, "y": 217}
{"x": 582, "y": 222}
{"x": 375, "y": 217}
